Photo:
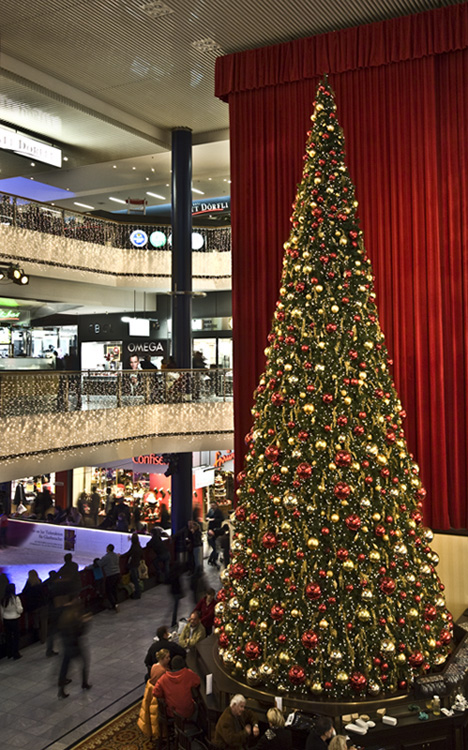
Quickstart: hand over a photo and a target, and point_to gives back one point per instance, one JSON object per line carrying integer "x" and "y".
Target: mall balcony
{"x": 54, "y": 419}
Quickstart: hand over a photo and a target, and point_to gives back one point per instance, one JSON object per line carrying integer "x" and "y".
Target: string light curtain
{"x": 401, "y": 90}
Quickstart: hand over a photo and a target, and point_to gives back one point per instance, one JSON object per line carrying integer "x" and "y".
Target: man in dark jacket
{"x": 235, "y": 725}
{"x": 162, "y": 641}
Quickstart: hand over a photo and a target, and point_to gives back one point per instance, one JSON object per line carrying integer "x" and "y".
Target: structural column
{"x": 181, "y": 218}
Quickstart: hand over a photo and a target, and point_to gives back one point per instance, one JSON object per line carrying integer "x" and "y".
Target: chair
{"x": 186, "y": 732}
{"x": 166, "y": 723}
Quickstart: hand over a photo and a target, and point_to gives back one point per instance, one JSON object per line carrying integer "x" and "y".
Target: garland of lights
{"x": 332, "y": 589}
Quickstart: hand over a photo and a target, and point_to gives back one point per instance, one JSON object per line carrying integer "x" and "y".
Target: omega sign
{"x": 154, "y": 348}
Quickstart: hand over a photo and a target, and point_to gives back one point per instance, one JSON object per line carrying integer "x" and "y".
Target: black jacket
{"x": 173, "y": 648}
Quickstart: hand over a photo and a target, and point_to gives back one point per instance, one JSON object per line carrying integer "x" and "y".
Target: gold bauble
{"x": 308, "y": 408}
{"x": 413, "y": 614}
{"x": 376, "y": 517}
{"x": 285, "y": 526}
{"x": 348, "y": 565}
{"x": 313, "y": 543}
{"x": 316, "y": 688}
{"x": 284, "y": 658}
{"x": 342, "y": 677}
{"x": 381, "y": 459}
{"x": 425, "y": 570}
{"x": 239, "y": 665}
{"x": 284, "y": 470}
{"x": 265, "y": 670}
{"x": 295, "y": 613}
{"x": 279, "y": 561}
{"x": 219, "y": 609}
{"x": 364, "y": 528}
{"x": 440, "y": 659}
{"x": 276, "y": 500}
{"x": 410, "y": 578}
{"x": 387, "y": 646}
{"x": 367, "y": 595}
{"x": 334, "y": 518}
{"x": 330, "y": 574}
{"x": 363, "y": 615}
{"x": 431, "y": 644}
{"x": 373, "y": 688}
{"x": 323, "y": 624}
{"x": 427, "y": 534}
{"x": 332, "y": 466}
{"x": 368, "y": 345}
{"x": 347, "y": 400}
{"x": 229, "y": 658}
{"x": 291, "y": 441}
{"x": 253, "y": 676}
{"x": 302, "y": 394}
{"x": 318, "y": 287}
{"x": 374, "y": 556}
{"x": 335, "y": 309}
{"x": 288, "y": 367}
{"x": 281, "y": 688}
{"x": 372, "y": 449}
{"x": 254, "y": 604}
{"x": 320, "y": 445}
{"x": 228, "y": 628}
{"x": 290, "y": 501}
{"x": 234, "y": 603}
{"x": 439, "y": 602}
{"x": 365, "y": 503}
{"x": 400, "y": 549}
{"x": 400, "y": 659}
{"x": 336, "y": 656}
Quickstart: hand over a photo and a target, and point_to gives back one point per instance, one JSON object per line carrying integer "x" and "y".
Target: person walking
{"x": 72, "y": 625}
{"x": 110, "y": 563}
{"x": 11, "y": 610}
{"x": 94, "y": 507}
{"x": 135, "y": 556}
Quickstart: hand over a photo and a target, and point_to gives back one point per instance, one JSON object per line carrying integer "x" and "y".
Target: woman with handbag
{"x": 11, "y": 610}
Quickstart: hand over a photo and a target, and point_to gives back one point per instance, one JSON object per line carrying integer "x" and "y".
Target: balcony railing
{"x": 41, "y": 217}
{"x": 31, "y": 393}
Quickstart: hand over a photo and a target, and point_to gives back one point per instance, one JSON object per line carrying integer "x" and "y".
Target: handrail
{"x": 23, "y": 213}
{"x": 26, "y": 393}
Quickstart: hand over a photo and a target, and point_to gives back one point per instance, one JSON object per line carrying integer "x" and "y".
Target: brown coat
{"x": 148, "y": 717}
{"x": 230, "y": 733}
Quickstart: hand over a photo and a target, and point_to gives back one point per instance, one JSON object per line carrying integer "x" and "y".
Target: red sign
{"x": 151, "y": 458}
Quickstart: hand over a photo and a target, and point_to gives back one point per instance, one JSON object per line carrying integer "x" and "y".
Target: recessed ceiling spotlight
{"x": 133, "y": 167}
{"x": 65, "y": 158}
{"x": 152, "y": 169}
{"x": 117, "y": 200}
{"x": 147, "y": 179}
{"x": 83, "y": 205}
{"x": 31, "y": 178}
{"x": 200, "y": 192}
{"x": 209, "y": 179}
{"x": 155, "y": 8}
{"x": 33, "y": 164}
{"x": 167, "y": 184}
{"x": 207, "y": 45}
{"x": 114, "y": 166}
{"x": 155, "y": 195}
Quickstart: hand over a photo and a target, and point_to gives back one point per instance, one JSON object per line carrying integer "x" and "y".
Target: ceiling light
{"x": 83, "y": 205}
{"x": 117, "y": 200}
{"x": 133, "y": 167}
{"x": 155, "y": 195}
{"x": 17, "y": 275}
{"x": 155, "y": 8}
{"x": 33, "y": 164}
{"x": 200, "y": 192}
{"x": 65, "y": 158}
{"x": 147, "y": 178}
{"x": 152, "y": 169}
{"x": 114, "y": 166}
{"x": 209, "y": 179}
{"x": 207, "y": 45}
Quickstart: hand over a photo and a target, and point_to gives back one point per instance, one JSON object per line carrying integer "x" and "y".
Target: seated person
{"x": 322, "y": 732}
{"x": 276, "y": 737}
{"x": 340, "y": 743}
{"x": 235, "y": 726}
{"x": 162, "y": 641}
{"x": 193, "y": 631}
{"x": 162, "y": 665}
{"x": 175, "y": 687}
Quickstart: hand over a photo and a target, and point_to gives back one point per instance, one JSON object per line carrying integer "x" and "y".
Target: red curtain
{"x": 402, "y": 96}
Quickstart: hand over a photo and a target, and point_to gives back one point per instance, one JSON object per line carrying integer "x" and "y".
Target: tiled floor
{"x": 33, "y": 718}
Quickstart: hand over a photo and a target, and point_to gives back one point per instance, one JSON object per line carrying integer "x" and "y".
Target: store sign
{"x": 11, "y": 140}
{"x": 222, "y": 459}
{"x": 7, "y": 314}
{"x": 207, "y": 207}
{"x": 138, "y": 238}
{"x": 153, "y": 348}
{"x": 151, "y": 458}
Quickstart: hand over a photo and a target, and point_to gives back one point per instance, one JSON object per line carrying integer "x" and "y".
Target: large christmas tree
{"x": 332, "y": 589}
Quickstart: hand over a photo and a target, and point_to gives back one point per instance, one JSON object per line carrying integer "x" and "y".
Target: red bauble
{"x": 379, "y": 530}
{"x": 241, "y": 477}
{"x": 240, "y": 513}
{"x": 313, "y": 591}
{"x": 327, "y": 398}
{"x": 296, "y": 675}
{"x": 269, "y": 540}
{"x": 445, "y": 636}
{"x": 252, "y": 650}
{"x": 275, "y": 479}
{"x": 416, "y": 659}
{"x": 303, "y": 435}
{"x": 277, "y": 399}
{"x": 330, "y": 328}
{"x": 430, "y": 612}
{"x": 304, "y": 471}
{"x": 390, "y": 436}
{"x": 282, "y": 638}
{"x": 272, "y": 453}
{"x": 223, "y": 640}
{"x": 342, "y": 421}
{"x": 416, "y": 516}
{"x": 342, "y": 490}
{"x": 353, "y": 522}
{"x": 277, "y": 612}
{"x": 387, "y": 585}
{"x": 237, "y": 571}
{"x": 342, "y": 554}
{"x": 358, "y": 682}
{"x": 309, "y": 639}
{"x": 253, "y": 518}
{"x": 343, "y": 459}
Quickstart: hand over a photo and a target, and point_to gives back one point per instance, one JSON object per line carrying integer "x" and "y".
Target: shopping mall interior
{"x": 149, "y": 157}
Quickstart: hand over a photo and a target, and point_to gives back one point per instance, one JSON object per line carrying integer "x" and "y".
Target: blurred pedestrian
{"x": 11, "y": 610}
{"x": 72, "y": 625}
{"x": 135, "y": 556}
